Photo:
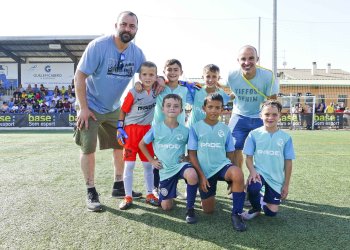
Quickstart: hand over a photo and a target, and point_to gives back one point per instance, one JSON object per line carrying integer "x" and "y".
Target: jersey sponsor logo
{"x": 169, "y": 146}
{"x": 268, "y": 152}
{"x": 210, "y": 145}
{"x": 221, "y": 133}
{"x": 139, "y": 99}
{"x": 280, "y": 142}
{"x": 164, "y": 191}
{"x": 179, "y": 137}
{"x": 146, "y": 107}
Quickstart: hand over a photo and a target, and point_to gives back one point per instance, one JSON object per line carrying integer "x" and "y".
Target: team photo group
{"x": 150, "y": 124}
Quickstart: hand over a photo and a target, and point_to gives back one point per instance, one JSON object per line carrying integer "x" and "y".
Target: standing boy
{"x": 135, "y": 119}
{"x": 169, "y": 141}
{"x": 269, "y": 154}
{"x": 211, "y": 149}
{"x": 211, "y": 76}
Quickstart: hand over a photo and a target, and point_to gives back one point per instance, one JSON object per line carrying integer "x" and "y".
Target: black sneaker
{"x": 120, "y": 193}
{"x": 238, "y": 223}
{"x": 190, "y": 216}
{"x": 92, "y": 202}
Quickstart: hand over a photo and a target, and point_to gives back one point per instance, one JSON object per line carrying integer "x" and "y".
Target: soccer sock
{"x": 268, "y": 212}
{"x": 156, "y": 177}
{"x": 191, "y": 195}
{"x": 92, "y": 190}
{"x": 237, "y": 202}
{"x": 128, "y": 177}
{"x": 254, "y": 196}
{"x": 148, "y": 176}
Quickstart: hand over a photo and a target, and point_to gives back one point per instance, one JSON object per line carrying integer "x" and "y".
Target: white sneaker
{"x": 248, "y": 215}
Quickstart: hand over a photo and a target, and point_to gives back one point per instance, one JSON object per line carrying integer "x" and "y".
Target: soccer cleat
{"x": 126, "y": 203}
{"x": 92, "y": 202}
{"x": 152, "y": 200}
{"x": 190, "y": 216}
{"x": 238, "y": 223}
{"x": 156, "y": 192}
{"x": 120, "y": 193}
{"x": 252, "y": 213}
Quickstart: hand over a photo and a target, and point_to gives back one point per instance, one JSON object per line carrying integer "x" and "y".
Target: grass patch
{"x": 43, "y": 204}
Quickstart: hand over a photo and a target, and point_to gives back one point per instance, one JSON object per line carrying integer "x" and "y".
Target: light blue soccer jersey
{"x": 183, "y": 92}
{"x": 169, "y": 146}
{"x": 197, "y": 112}
{"x": 269, "y": 152}
{"x": 109, "y": 72}
{"x": 247, "y": 100}
{"x": 211, "y": 143}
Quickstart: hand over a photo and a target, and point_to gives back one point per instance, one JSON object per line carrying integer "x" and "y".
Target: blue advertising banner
{"x": 37, "y": 120}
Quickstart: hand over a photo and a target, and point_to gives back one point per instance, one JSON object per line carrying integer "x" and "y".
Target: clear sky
{"x": 199, "y": 32}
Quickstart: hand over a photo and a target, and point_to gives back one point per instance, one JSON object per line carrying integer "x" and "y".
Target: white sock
{"x": 148, "y": 176}
{"x": 128, "y": 177}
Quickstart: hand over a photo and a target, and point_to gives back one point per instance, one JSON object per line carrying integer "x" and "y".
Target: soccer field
{"x": 43, "y": 202}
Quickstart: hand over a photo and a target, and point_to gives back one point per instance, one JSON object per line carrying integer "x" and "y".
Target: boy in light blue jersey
{"x": 269, "y": 154}
{"x": 169, "y": 143}
{"x": 211, "y": 149}
{"x": 172, "y": 72}
{"x": 251, "y": 86}
{"x": 211, "y": 75}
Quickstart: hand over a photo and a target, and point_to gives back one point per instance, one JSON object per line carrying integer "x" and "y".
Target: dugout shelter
{"x": 42, "y": 49}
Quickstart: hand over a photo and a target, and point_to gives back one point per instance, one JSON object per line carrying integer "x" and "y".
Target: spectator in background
{"x": 24, "y": 95}
{"x": 71, "y": 99}
{"x": 5, "y": 108}
{"x": 44, "y": 108}
{"x": 20, "y": 87}
{"x": 59, "y": 106}
{"x": 66, "y": 105}
{"x": 330, "y": 108}
{"x": 15, "y": 108}
{"x": 308, "y": 116}
{"x": 57, "y": 91}
{"x": 346, "y": 117}
{"x": 17, "y": 94}
{"x": 29, "y": 88}
{"x": 11, "y": 102}
{"x": 52, "y": 107}
{"x": 63, "y": 91}
{"x": 36, "y": 107}
{"x": 320, "y": 107}
{"x": 56, "y": 97}
{"x": 43, "y": 89}
{"x": 35, "y": 88}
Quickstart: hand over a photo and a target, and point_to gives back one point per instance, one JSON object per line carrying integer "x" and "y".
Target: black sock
{"x": 118, "y": 185}
{"x": 92, "y": 190}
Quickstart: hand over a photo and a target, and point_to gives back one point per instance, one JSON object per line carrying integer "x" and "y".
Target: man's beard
{"x": 126, "y": 37}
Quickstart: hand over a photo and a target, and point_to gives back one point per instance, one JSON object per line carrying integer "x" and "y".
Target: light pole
{"x": 274, "y": 39}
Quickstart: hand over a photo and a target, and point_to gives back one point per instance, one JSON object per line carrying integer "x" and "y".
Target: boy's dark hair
{"x": 148, "y": 64}
{"x": 213, "y": 97}
{"x": 172, "y": 96}
{"x": 172, "y": 62}
{"x": 272, "y": 103}
{"x": 129, "y": 13}
{"x": 211, "y": 68}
